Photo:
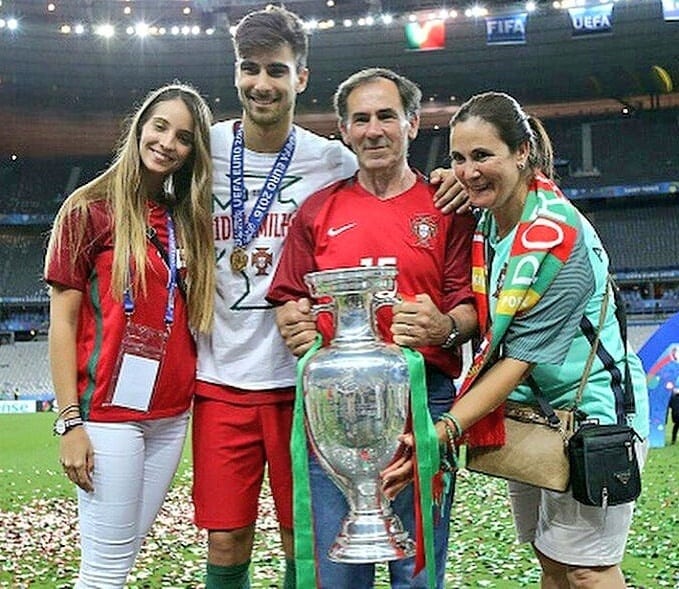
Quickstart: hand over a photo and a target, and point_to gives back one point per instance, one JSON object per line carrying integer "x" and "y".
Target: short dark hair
{"x": 269, "y": 29}
{"x": 513, "y": 126}
{"x": 411, "y": 95}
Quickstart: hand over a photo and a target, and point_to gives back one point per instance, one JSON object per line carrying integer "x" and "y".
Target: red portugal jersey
{"x": 344, "y": 226}
{"x": 102, "y": 320}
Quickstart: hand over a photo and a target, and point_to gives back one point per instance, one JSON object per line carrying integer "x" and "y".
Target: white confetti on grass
{"x": 39, "y": 543}
{"x": 40, "y": 546}
{"x": 42, "y": 543}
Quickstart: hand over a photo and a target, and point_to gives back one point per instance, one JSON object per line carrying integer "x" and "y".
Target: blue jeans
{"x": 330, "y": 507}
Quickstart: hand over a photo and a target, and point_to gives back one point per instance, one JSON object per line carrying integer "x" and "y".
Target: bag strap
{"x": 621, "y": 316}
{"x": 595, "y": 346}
{"x": 545, "y": 407}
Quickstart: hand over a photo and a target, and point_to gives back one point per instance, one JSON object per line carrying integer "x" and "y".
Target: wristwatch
{"x": 62, "y": 426}
{"x": 453, "y": 336}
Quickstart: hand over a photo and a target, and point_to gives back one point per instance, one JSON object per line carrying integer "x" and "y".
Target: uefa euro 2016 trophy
{"x": 356, "y": 394}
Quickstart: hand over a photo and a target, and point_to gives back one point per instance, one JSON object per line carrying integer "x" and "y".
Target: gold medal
{"x": 238, "y": 259}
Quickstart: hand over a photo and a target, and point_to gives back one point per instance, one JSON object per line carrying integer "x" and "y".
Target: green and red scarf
{"x": 543, "y": 241}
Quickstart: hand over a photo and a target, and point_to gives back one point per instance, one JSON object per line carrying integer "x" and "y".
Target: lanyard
{"x": 128, "y": 301}
{"x": 244, "y": 231}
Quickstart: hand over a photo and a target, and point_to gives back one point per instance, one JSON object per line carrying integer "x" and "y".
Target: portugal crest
{"x": 261, "y": 260}
{"x": 424, "y": 228}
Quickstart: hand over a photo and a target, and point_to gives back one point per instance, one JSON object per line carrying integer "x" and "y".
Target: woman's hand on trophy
{"x": 400, "y": 472}
{"x": 296, "y": 325}
{"x": 418, "y": 322}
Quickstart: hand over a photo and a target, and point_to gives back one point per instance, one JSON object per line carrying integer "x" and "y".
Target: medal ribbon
{"x": 245, "y": 231}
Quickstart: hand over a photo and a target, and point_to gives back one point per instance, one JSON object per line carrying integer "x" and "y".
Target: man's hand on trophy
{"x": 400, "y": 472}
{"x": 297, "y": 325}
{"x": 418, "y": 322}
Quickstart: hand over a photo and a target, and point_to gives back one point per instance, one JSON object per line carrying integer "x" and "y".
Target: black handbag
{"x": 603, "y": 461}
{"x": 604, "y": 467}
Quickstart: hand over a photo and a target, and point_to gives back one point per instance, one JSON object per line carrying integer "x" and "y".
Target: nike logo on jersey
{"x": 335, "y": 231}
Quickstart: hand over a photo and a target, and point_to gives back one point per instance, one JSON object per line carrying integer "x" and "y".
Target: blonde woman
{"x": 131, "y": 268}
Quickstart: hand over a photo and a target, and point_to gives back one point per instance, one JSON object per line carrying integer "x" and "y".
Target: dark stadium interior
{"x": 86, "y": 80}
{"x": 609, "y": 102}
{"x": 70, "y": 73}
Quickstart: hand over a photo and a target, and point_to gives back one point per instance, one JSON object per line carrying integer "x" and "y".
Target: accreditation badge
{"x": 137, "y": 367}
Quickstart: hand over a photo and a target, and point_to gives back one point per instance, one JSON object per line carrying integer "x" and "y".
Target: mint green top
{"x": 549, "y": 335}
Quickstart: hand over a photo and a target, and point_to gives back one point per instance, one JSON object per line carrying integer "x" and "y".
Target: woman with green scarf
{"x": 540, "y": 275}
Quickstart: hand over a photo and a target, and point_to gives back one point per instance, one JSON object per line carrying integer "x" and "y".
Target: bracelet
{"x": 452, "y": 419}
{"x": 450, "y": 434}
{"x": 453, "y": 335}
{"x": 63, "y": 426}
{"x": 69, "y": 408}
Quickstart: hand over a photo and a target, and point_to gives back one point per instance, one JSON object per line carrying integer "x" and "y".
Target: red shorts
{"x": 232, "y": 444}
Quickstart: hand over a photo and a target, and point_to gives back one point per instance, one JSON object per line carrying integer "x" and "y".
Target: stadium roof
{"x": 67, "y": 75}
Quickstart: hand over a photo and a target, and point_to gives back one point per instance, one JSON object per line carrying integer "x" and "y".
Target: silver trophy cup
{"x": 356, "y": 402}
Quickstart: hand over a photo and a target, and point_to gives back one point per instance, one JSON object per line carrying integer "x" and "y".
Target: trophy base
{"x": 371, "y": 538}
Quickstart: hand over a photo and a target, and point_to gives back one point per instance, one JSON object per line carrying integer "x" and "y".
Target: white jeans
{"x": 134, "y": 463}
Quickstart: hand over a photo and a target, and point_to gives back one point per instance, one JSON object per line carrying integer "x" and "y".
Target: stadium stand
{"x": 624, "y": 150}
{"x": 638, "y": 235}
{"x": 24, "y": 371}
{"x": 637, "y": 146}
{"x": 39, "y": 186}
{"x": 641, "y": 232}
{"x": 636, "y": 149}
{"x": 21, "y": 256}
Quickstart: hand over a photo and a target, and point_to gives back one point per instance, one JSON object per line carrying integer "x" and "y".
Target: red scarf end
{"x": 437, "y": 488}
{"x": 489, "y": 431}
{"x": 420, "y": 556}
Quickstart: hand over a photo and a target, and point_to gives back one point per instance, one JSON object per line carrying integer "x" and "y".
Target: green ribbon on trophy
{"x": 427, "y": 464}
{"x": 301, "y": 491}
{"x": 427, "y": 456}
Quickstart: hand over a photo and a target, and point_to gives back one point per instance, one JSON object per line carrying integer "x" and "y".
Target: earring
{"x": 521, "y": 165}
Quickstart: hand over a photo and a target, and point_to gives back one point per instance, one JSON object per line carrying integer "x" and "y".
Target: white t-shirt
{"x": 245, "y": 349}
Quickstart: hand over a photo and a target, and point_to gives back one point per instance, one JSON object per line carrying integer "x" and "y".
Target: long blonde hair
{"x": 189, "y": 192}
